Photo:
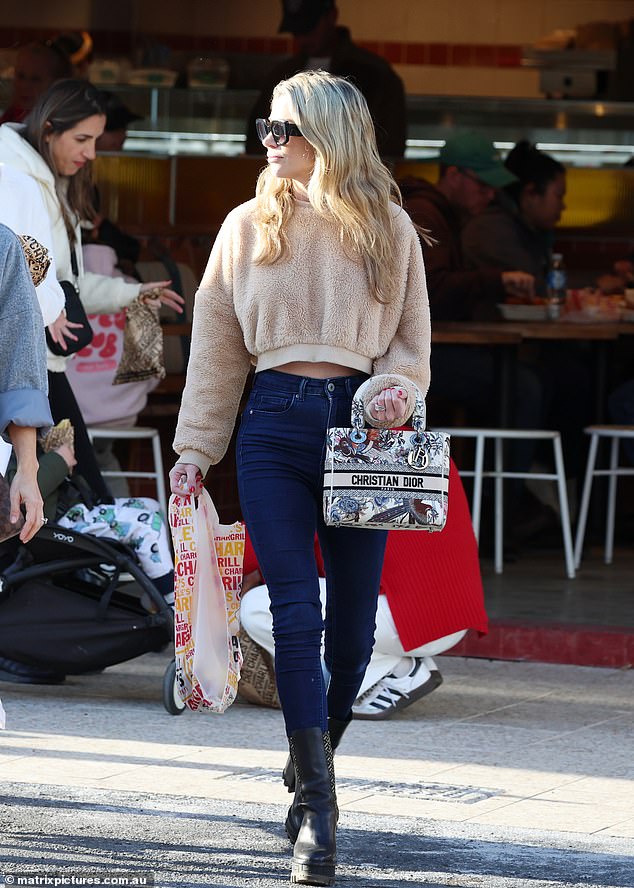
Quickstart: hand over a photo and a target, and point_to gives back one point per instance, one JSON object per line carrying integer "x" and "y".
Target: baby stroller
{"x": 72, "y": 603}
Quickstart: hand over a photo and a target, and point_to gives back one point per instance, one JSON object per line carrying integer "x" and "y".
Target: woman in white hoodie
{"x": 22, "y": 210}
{"x": 56, "y": 147}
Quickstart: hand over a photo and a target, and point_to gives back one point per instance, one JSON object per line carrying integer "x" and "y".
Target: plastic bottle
{"x": 556, "y": 287}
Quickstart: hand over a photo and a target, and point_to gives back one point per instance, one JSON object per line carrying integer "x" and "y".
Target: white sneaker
{"x": 391, "y": 694}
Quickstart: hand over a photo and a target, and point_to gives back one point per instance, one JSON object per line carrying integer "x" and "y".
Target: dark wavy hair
{"x": 65, "y": 104}
{"x": 531, "y": 167}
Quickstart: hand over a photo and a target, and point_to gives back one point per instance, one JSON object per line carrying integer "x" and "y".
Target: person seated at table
{"x": 619, "y": 278}
{"x": 471, "y": 172}
{"x": 92, "y": 372}
{"x": 517, "y": 231}
{"x": 431, "y": 593}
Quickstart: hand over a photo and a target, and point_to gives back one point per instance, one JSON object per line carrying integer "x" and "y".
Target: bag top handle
{"x": 357, "y": 419}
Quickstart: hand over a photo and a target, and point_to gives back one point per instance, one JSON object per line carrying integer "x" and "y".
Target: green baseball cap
{"x": 471, "y": 151}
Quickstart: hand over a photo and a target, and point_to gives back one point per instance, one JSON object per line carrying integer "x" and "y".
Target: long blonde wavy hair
{"x": 349, "y": 184}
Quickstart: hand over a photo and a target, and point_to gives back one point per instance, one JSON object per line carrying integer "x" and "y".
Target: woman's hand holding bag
{"x": 385, "y": 478}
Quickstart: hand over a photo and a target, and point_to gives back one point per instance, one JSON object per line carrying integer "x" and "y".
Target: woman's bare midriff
{"x": 320, "y": 370}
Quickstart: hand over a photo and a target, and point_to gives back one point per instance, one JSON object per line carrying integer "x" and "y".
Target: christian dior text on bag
{"x": 388, "y": 479}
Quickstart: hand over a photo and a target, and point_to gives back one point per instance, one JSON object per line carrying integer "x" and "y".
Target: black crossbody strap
{"x": 74, "y": 267}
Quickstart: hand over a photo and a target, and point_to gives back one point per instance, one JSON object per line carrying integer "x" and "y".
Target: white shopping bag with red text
{"x": 207, "y": 581}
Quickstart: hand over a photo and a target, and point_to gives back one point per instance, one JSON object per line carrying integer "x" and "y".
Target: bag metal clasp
{"x": 418, "y": 457}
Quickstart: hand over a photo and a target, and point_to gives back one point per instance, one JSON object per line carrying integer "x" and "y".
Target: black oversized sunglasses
{"x": 281, "y": 130}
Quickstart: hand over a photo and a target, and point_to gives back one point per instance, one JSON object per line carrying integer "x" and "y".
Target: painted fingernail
{"x": 192, "y": 489}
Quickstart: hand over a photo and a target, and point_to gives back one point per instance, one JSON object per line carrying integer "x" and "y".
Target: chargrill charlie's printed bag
{"x": 207, "y": 581}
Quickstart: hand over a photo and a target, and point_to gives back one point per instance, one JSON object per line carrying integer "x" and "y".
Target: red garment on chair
{"x": 432, "y": 580}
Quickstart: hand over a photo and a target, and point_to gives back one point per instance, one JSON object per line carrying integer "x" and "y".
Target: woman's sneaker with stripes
{"x": 393, "y": 693}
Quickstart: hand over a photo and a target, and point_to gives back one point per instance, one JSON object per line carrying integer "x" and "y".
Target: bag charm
{"x": 387, "y": 479}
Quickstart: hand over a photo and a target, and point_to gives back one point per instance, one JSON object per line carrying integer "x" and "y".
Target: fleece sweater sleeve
{"x": 218, "y": 364}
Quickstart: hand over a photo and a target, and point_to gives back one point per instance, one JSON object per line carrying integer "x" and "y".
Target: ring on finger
{"x": 379, "y": 407}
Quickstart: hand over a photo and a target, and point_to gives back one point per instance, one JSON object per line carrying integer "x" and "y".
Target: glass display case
{"x": 200, "y": 121}
{"x": 213, "y": 121}
{"x": 584, "y": 133}
{"x": 184, "y": 165}
{"x": 186, "y": 156}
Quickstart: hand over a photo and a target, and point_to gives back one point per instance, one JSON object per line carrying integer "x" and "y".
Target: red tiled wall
{"x": 442, "y": 54}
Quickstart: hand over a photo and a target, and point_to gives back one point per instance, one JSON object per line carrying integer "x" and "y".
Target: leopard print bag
{"x": 37, "y": 258}
{"x": 142, "y": 356}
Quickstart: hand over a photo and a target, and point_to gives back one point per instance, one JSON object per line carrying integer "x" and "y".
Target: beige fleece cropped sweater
{"x": 311, "y": 305}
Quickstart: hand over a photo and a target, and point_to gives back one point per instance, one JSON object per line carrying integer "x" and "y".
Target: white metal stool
{"x": 498, "y": 474}
{"x": 136, "y": 433}
{"x": 616, "y": 434}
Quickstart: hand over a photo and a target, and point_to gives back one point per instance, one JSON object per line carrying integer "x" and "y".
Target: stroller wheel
{"x": 171, "y": 697}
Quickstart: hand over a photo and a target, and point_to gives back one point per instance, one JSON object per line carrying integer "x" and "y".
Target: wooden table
{"x": 492, "y": 333}
{"x": 506, "y": 337}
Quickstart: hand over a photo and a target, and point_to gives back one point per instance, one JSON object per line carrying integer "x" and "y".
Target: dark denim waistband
{"x": 275, "y": 380}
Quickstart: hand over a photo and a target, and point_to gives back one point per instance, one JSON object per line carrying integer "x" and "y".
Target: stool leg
{"x": 158, "y": 468}
{"x": 585, "y": 499}
{"x": 609, "y": 525}
{"x": 476, "y": 507}
{"x": 499, "y": 507}
{"x": 563, "y": 507}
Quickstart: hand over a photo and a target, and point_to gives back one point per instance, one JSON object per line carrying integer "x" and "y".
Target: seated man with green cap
{"x": 466, "y": 375}
{"x": 470, "y": 172}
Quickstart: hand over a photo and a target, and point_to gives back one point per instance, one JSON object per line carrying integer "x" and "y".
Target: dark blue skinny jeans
{"x": 280, "y": 463}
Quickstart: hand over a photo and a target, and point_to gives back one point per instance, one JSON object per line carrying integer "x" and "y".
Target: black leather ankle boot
{"x": 336, "y": 729}
{"x": 314, "y": 852}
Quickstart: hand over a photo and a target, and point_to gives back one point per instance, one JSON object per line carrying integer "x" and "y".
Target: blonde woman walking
{"x": 319, "y": 280}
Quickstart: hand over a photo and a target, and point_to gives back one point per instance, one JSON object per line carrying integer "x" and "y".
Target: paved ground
{"x": 511, "y": 775}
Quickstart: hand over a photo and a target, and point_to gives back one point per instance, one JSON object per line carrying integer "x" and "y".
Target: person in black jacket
{"x": 471, "y": 172}
{"x": 323, "y": 45}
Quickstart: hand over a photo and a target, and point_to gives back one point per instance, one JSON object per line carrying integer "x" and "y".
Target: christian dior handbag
{"x": 389, "y": 479}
